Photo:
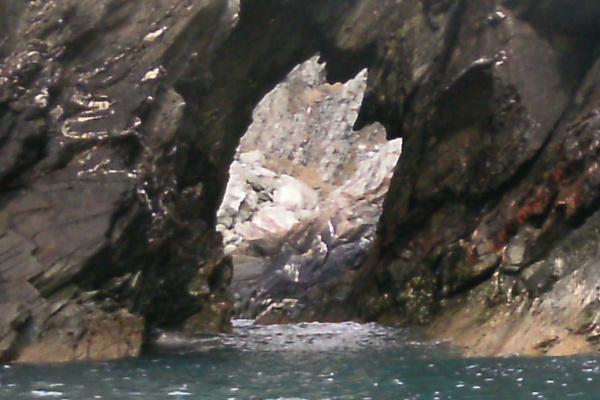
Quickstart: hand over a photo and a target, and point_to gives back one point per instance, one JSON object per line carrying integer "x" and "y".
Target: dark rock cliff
{"x": 105, "y": 228}
{"x": 119, "y": 119}
{"x": 491, "y": 217}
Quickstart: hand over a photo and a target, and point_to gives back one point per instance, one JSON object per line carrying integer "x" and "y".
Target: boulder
{"x": 294, "y": 195}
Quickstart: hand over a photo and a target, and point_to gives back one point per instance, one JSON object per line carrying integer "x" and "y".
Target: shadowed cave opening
{"x": 304, "y": 195}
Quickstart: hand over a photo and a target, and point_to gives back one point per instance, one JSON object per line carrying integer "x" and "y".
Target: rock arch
{"x": 118, "y": 122}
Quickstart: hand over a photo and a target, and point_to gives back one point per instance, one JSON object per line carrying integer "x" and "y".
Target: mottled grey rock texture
{"x": 295, "y": 157}
{"x": 330, "y": 242}
{"x": 312, "y": 227}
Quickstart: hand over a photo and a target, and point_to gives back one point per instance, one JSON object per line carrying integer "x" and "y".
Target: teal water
{"x": 310, "y": 361}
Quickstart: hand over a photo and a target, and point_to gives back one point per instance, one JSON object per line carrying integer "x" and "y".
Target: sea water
{"x": 309, "y": 361}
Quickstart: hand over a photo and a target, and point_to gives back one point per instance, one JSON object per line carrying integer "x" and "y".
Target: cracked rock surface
{"x": 290, "y": 234}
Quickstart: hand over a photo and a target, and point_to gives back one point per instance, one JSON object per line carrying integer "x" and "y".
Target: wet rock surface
{"x": 492, "y": 209}
{"x": 119, "y": 121}
{"x": 100, "y": 236}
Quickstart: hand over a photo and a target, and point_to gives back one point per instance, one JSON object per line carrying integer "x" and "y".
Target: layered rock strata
{"x": 103, "y": 236}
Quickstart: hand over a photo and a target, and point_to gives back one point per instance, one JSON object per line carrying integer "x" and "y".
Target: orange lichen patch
{"x": 568, "y": 187}
{"x": 577, "y": 195}
{"x": 536, "y": 206}
{"x": 570, "y": 201}
{"x": 556, "y": 175}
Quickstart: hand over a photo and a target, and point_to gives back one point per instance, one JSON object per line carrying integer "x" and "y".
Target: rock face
{"x": 322, "y": 245}
{"x": 103, "y": 235}
{"x": 488, "y": 227}
{"x": 290, "y": 235}
{"x": 119, "y": 121}
{"x": 299, "y": 149}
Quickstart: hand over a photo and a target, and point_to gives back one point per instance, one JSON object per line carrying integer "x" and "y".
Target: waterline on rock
{"x": 350, "y": 362}
{"x": 310, "y": 337}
